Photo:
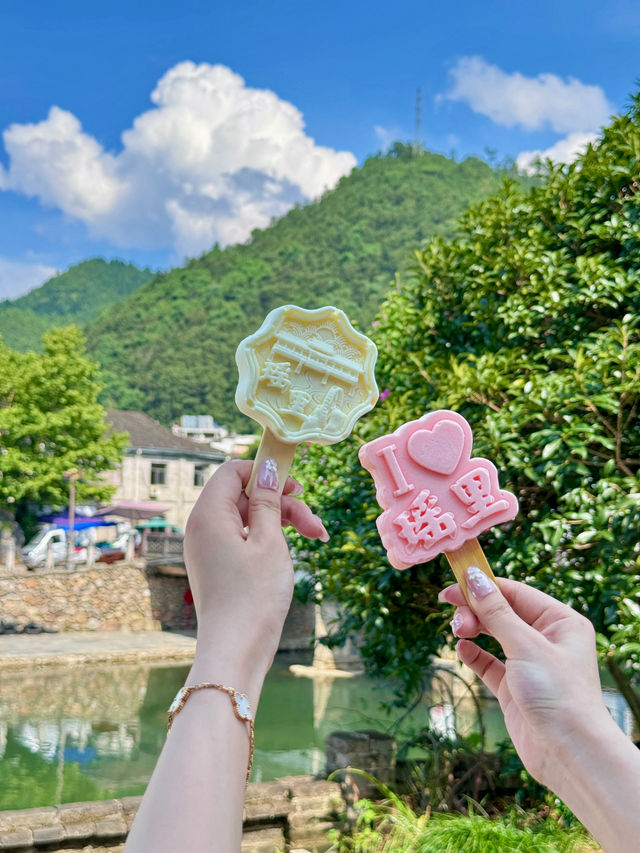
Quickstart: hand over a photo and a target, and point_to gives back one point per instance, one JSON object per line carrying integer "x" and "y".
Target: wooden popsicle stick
{"x": 281, "y": 451}
{"x": 470, "y": 554}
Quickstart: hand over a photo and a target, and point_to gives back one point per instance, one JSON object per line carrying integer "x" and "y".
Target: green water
{"x": 88, "y": 733}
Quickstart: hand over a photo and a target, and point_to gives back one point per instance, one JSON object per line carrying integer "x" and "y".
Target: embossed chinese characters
{"x": 305, "y": 375}
{"x": 435, "y": 496}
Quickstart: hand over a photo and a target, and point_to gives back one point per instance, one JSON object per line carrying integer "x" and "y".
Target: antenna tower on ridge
{"x": 418, "y": 147}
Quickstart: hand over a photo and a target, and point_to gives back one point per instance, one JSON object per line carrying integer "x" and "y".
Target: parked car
{"x": 34, "y": 553}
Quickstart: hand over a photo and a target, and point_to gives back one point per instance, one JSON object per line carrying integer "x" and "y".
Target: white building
{"x": 203, "y": 428}
{"x": 160, "y": 465}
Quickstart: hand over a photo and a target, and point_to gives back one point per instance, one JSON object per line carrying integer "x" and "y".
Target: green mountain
{"x": 168, "y": 349}
{"x": 75, "y": 296}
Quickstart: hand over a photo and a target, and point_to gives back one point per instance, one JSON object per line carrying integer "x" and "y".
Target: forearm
{"x": 600, "y": 782}
{"x": 195, "y": 798}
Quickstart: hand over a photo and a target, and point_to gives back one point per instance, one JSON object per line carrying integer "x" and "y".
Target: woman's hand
{"x": 240, "y": 570}
{"x": 241, "y": 577}
{"x": 548, "y": 687}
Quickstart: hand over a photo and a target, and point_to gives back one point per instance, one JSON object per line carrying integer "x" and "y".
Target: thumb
{"x": 496, "y": 615}
{"x": 265, "y": 508}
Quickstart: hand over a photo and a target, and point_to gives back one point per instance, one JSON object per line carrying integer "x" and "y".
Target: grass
{"x": 393, "y": 827}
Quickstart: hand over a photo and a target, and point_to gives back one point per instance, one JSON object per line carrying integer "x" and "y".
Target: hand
{"x": 240, "y": 570}
{"x": 548, "y": 687}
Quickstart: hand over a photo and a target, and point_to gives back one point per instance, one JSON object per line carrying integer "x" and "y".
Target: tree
{"x": 51, "y": 423}
{"x": 528, "y": 324}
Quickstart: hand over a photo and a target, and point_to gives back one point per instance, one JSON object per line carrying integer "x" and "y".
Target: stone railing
{"x": 292, "y": 813}
{"x": 161, "y": 547}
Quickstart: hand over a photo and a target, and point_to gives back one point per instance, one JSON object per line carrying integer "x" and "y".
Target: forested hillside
{"x": 169, "y": 348}
{"x": 75, "y": 296}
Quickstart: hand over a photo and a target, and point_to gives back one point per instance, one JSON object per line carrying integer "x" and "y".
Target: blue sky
{"x": 149, "y": 131}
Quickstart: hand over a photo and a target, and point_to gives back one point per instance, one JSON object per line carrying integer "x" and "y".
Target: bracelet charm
{"x": 239, "y": 701}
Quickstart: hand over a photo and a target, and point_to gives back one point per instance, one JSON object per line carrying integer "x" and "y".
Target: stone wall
{"x": 118, "y": 597}
{"x": 296, "y": 812}
{"x": 111, "y": 598}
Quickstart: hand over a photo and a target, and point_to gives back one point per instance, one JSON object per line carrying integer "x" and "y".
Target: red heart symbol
{"x": 438, "y": 449}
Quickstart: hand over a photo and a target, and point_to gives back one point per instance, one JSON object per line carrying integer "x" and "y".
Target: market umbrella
{"x": 135, "y": 509}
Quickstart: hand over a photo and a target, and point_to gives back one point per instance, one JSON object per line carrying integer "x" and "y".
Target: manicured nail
{"x": 479, "y": 584}
{"x": 456, "y": 623}
{"x": 268, "y": 474}
{"x": 443, "y": 594}
{"x": 325, "y": 535}
{"x": 297, "y": 489}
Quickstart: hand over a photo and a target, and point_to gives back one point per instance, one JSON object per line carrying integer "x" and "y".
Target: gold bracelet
{"x": 241, "y": 709}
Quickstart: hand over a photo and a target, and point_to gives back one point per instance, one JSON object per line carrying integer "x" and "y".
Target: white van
{"x": 34, "y": 553}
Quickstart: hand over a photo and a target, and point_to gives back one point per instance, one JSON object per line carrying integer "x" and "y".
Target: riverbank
{"x": 25, "y": 651}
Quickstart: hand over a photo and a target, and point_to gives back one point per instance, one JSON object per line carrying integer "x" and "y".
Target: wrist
{"x": 219, "y": 659}
{"x": 596, "y": 772}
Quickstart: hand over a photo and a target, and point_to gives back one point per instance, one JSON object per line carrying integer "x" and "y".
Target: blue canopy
{"x": 81, "y": 522}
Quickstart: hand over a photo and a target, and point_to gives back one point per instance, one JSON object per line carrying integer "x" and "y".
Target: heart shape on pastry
{"x": 438, "y": 449}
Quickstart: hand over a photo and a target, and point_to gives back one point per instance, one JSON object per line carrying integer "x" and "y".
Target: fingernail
{"x": 479, "y": 584}
{"x": 297, "y": 489}
{"x": 325, "y": 535}
{"x": 442, "y": 595}
{"x": 456, "y": 623}
{"x": 268, "y": 474}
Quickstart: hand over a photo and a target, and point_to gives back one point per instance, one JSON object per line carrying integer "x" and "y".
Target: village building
{"x": 203, "y": 428}
{"x": 160, "y": 466}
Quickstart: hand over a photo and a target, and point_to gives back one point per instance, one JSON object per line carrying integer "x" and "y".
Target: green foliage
{"x": 527, "y": 323}
{"x": 51, "y": 423}
{"x": 74, "y": 296}
{"x": 393, "y": 827}
{"x": 169, "y": 348}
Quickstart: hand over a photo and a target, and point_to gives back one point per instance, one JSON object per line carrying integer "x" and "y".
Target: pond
{"x": 89, "y": 733}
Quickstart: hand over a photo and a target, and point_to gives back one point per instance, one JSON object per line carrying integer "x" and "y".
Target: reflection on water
{"x": 86, "y": 733}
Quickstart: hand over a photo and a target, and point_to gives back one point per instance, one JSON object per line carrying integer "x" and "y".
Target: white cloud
{"x": 564, "y": 151}
{"x": 18, "y": 277}
{"x": 546, "y": 101}
{"x": 211, "y": 161}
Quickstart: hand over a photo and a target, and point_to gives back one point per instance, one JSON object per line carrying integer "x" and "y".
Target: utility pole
{"x": 417, "y": 145}
{"x": 71, "y": 476}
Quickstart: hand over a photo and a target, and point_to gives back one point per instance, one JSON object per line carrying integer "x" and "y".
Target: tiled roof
{"x": 147, "y": 434}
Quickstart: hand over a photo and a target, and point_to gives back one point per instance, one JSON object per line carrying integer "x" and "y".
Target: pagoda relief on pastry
{"x": 306, "y": 374}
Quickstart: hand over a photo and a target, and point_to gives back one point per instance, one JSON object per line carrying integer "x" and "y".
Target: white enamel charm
{"x": 176, "y": 702}
{"x": 242, "y": 706}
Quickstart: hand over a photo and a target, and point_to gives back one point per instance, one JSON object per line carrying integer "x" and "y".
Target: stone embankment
{"x": 291, "y": 813}
{"x": 122, "y": 597}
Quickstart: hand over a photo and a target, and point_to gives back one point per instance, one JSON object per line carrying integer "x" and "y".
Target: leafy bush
{"x": 527, "y": 323}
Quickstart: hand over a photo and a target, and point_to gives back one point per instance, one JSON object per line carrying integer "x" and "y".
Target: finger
{"x": 294, "y": 513}
{"x": 532, "y": 605}
{"x": 245, "y": 466}
{"x": 498, "y": 617}
{"x": 452, "y": 595}
{"x": 486, "y": 666}
{"x": 297, "y": 514}
{"x": 264, "y": 510}
{"x": 536, "y": 608}
{"x": 219, "y": 498}
{"x": 465, "y": 623}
